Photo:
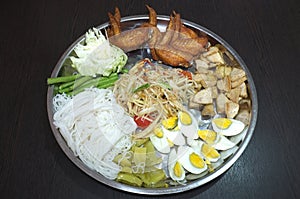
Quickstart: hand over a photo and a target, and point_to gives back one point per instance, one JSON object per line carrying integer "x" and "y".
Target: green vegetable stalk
{"x": 99, "y": 82}
{"x": 57, "y": 80}
{"x": 75, "y": 84}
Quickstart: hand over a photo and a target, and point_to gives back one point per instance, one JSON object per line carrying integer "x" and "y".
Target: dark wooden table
{"x": 34, "y": 34}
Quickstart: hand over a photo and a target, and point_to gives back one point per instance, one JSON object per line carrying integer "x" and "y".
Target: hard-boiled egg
{"x": 175, "y": 168}
{"x": 227, "y": 127}
{"x": 188, "y": 124}
{"x": 215, "y": 139}
{"x": 170, "y": 123}
{"x": 239, "y": 137}
{"x": 225, "y": 154}
{"x": 209, "y": 136}
{"x": 191, "y": 160}
{"x": 174, "y": 136}
{"x": 159, "y": 141}
{"x": 214, "y": 165}
{"x": 223, "y": 144}
{"x": 208, "y": 152}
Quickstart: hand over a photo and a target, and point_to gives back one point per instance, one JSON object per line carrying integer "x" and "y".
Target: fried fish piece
{"x": 155, "y": 37}
{"x": 131, "y": 39}
{"x": 187, "y": 32}
{"x": 165, "y": 49}
{"x": 127, "y": 40}
{"x": 114, "y": 27}
{"x": 117, "y": 17}
{"x": 188, "y": 45}
{"x": 155, "y": 33}
{"x": 203, "y": 41}
{"x": 187, "y": 39}
{"x": 177, "y": 46}
{"x": 152, "y": 16}
{"x": 176, "y": 25}
{"x": 173, "y": 57}
{"x": 168, "y": 35}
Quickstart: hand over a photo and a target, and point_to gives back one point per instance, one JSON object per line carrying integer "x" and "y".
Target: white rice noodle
{"x": 95, "y": 127}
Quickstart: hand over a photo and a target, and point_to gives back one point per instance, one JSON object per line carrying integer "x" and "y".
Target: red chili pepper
{"x": 141, "y": 122}
{"x": 148, "y": 61}
{"x": 187, "y": 74}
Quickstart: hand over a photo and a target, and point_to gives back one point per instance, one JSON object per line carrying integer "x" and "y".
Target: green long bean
{"x": 100, "y": 82}
{"x": 77, "y": 83}
{"x": 56, "y": 80}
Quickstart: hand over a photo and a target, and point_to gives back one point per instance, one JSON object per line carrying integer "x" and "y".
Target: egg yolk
{"x": 158, "y": 132}
{"x": 209, "y": 152}
{"x": 170, "y": 123}
{"x": 177, "y": 169}
{"x": 171, "y": 144}
{"x": 222, "y": 123}
{"x": 207, "y": 135}
{"x": 196, "y": 160}
{"x": 185, "y": 118}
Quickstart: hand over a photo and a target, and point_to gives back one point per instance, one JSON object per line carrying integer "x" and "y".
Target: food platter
{"x": 129, "y": 23}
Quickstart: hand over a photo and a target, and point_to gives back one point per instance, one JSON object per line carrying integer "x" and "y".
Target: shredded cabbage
{"x": 97, "y": 55}
{"x": 95, "y": 127}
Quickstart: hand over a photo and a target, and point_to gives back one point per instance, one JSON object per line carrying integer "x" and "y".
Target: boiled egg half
{"x": 215, "y": 139}
{"x": 191, "y": 160}
{"x": 176, "y": 171}
{"x": 227, "y": 127}
{"x": 187, "y": 124}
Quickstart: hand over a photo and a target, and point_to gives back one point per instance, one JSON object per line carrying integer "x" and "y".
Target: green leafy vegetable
{"x": 97, "y": 56}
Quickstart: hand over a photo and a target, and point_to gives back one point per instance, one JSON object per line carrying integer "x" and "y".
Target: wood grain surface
{"x": 34, "y": 34}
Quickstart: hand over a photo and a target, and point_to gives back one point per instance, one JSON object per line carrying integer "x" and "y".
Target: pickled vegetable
{"x": 152, "y": 178}
{"x": 129, "y": 179}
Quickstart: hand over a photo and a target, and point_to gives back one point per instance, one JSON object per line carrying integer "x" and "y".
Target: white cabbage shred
{"x": 97, "y": 56}
{"x": 95, "y": 127}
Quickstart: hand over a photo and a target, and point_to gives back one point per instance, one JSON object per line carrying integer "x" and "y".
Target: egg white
{"x": 175, "y": 136}
{"x": 197, "y": 146}
{"x": 161, "y": 144}
{"x": 223, "y": 143}
{"x": 210, "y": 159}
{"x": 171, "y": 164}
{"x": 183, "y": 154}
{"x": 239, "y": 137}
{"x": 235, "y": 128}
{"x": 225, "y": 154}
{"x": 189, "y": 131}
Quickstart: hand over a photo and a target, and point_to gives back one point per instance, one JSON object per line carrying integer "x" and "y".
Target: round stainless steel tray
{"x": 129, "y": 23}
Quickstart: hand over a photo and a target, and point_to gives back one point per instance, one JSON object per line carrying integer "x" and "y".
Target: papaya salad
{"x": 150, "y": 124}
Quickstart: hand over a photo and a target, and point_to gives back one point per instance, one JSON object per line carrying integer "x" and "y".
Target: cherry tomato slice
{"x": 141, "y": 122}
